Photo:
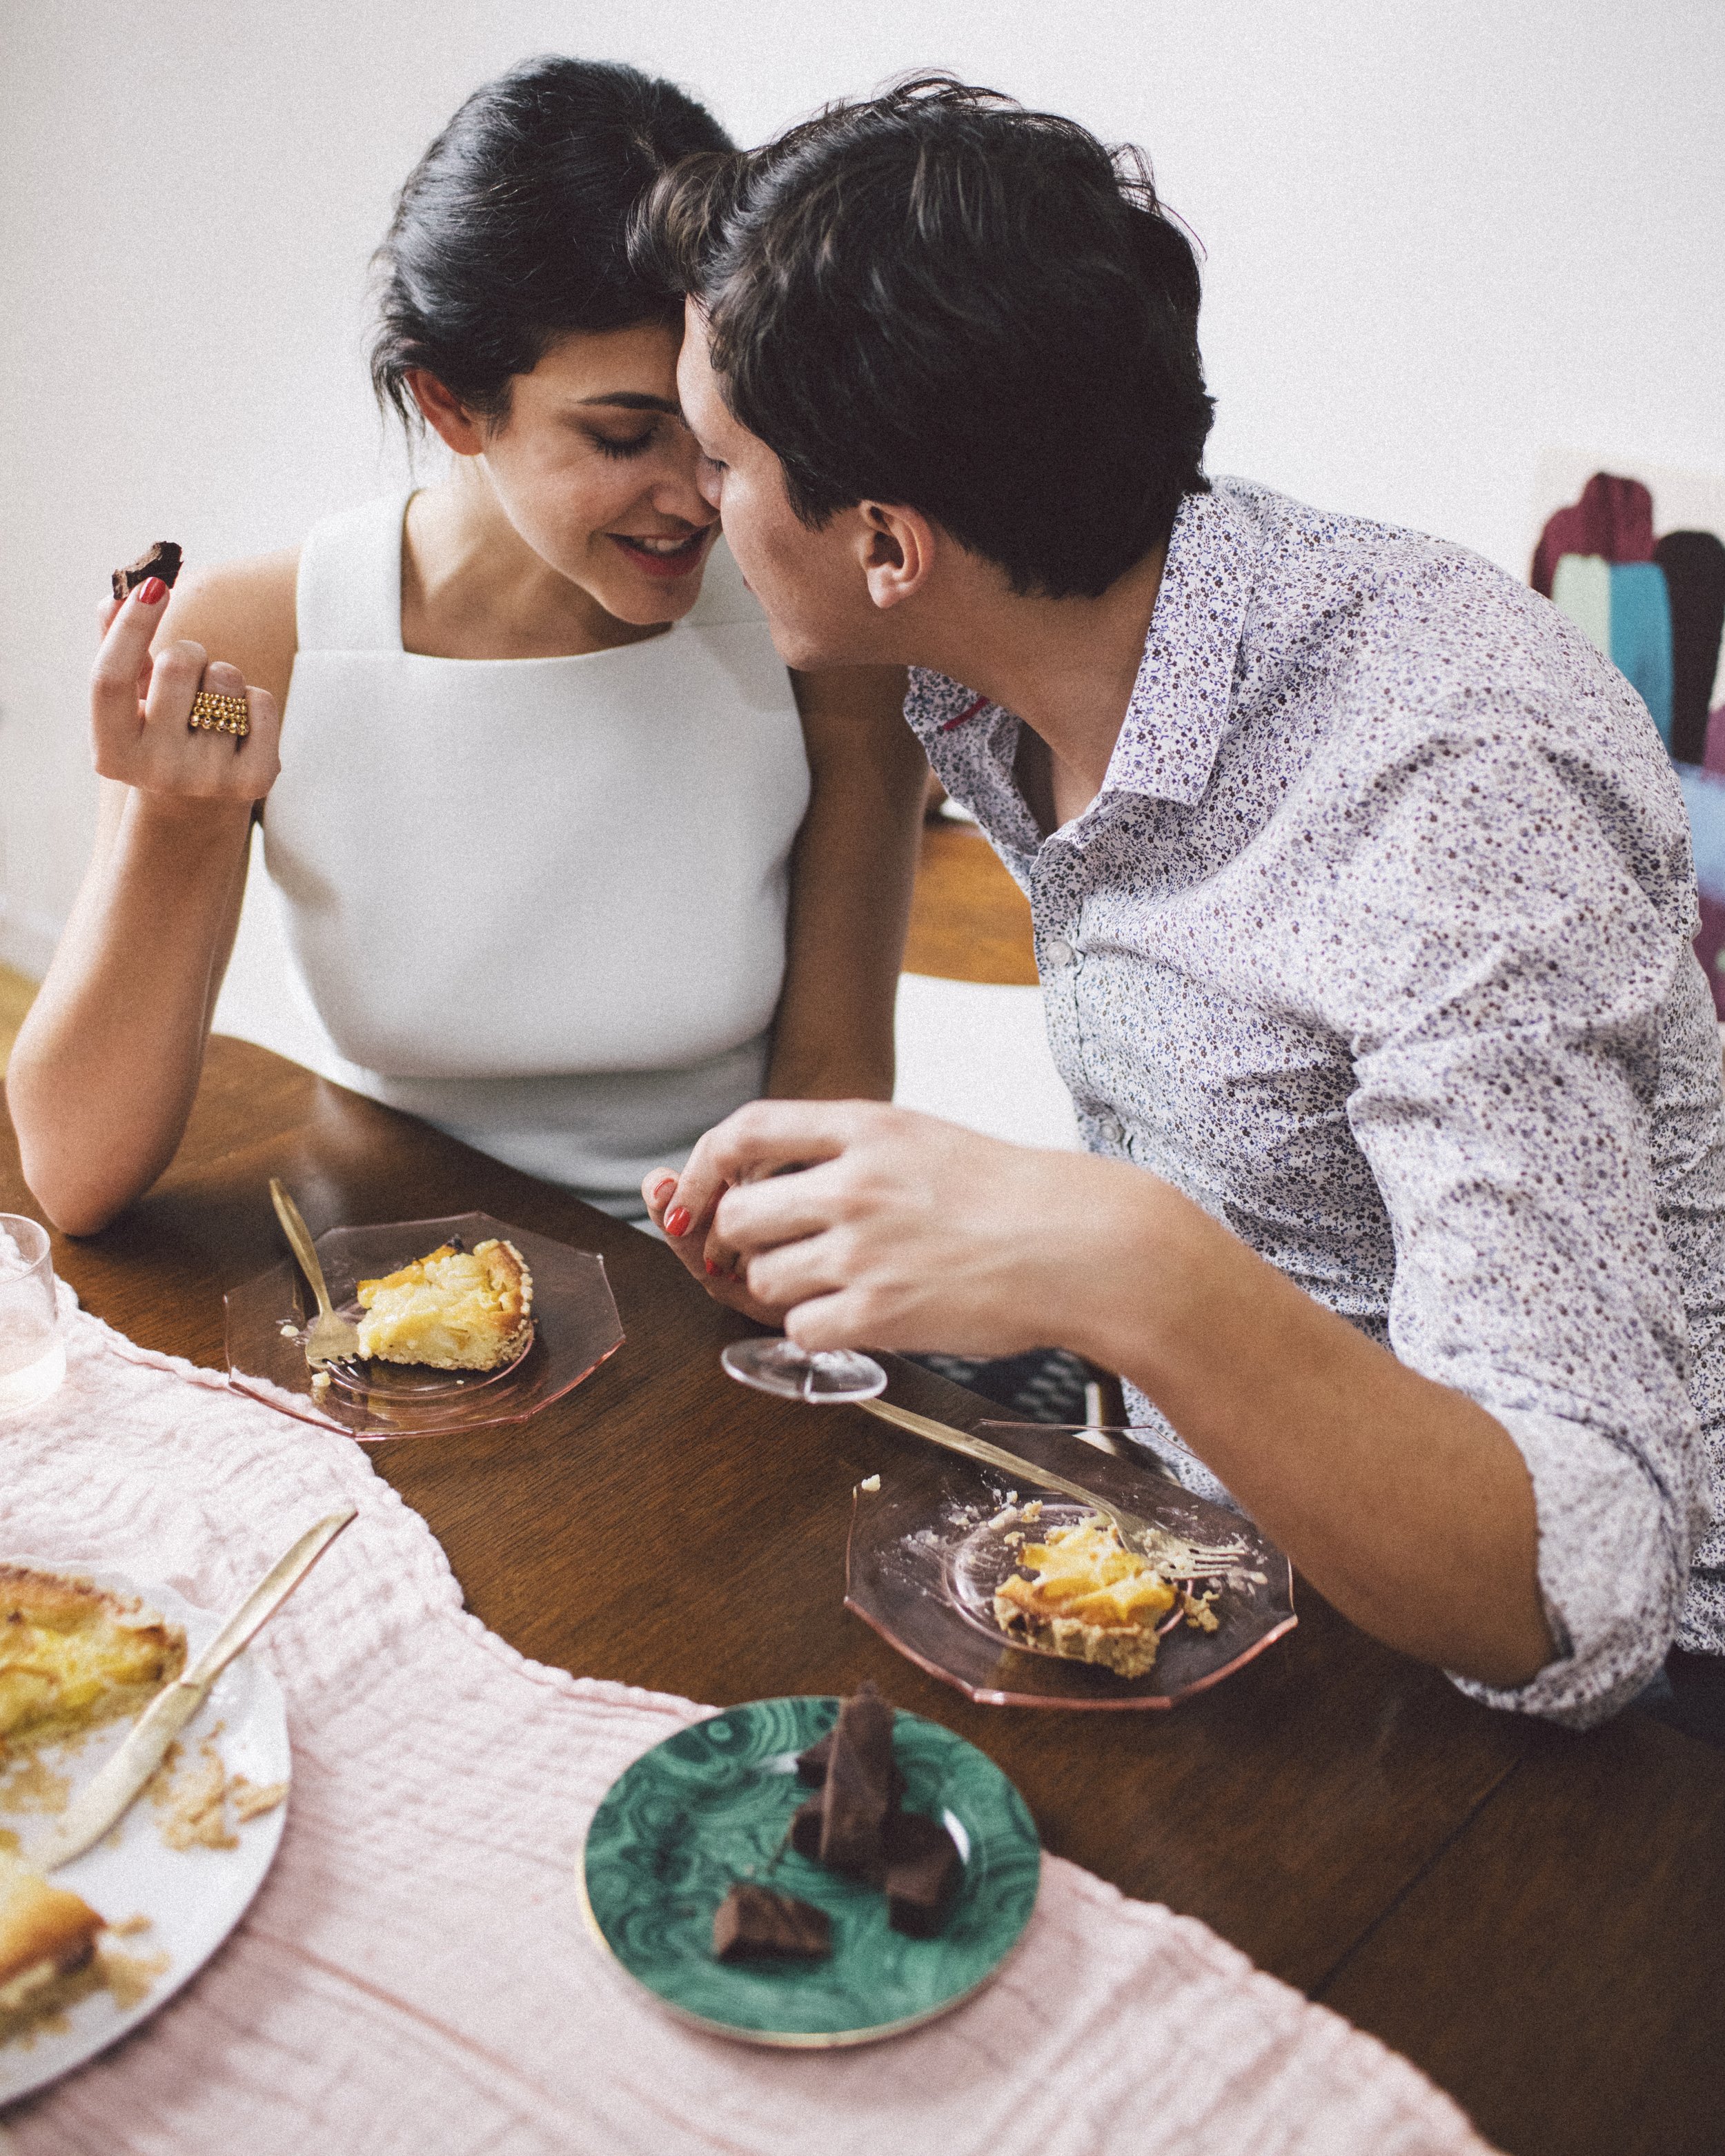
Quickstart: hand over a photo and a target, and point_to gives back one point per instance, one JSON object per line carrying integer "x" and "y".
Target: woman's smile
{"x": 660, "y": 554}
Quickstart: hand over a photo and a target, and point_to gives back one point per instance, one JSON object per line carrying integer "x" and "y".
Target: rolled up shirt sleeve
{"x": 1512, "y": 1006}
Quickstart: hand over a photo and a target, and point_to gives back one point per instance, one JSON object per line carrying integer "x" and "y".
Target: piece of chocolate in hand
{"x": 752, "y": 1923}
{"x": 856, "y": 1797}
{"x": 923, "y": 1869}
{"x": 163, "y": 560}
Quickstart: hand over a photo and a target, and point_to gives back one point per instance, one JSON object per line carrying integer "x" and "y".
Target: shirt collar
{"x": 1178, "y": 712}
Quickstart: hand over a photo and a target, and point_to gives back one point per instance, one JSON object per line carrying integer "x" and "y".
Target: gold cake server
{"x": 110, "y": 1792}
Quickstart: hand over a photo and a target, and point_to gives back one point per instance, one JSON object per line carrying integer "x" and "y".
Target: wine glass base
{"x": 827, "y": 1377}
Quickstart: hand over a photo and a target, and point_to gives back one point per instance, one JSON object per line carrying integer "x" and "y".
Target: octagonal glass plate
{"x": 712, "y": 1805}
{"x": 575, "y": 1327}
{"x": 928, "y": 1549}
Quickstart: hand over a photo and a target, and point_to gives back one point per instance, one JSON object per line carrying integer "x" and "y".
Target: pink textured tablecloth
{"x": 415, "y": 1975}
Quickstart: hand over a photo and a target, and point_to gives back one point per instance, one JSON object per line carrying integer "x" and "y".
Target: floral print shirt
{"x": 1376, "y": 944}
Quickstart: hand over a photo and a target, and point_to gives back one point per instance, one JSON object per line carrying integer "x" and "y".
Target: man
{"x": 1363, "y": 902}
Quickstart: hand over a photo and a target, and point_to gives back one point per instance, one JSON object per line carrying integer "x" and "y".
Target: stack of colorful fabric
{"x": 1657, "y": 610}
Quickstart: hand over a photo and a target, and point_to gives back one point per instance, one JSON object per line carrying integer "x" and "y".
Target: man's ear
{"x": 445, "y": 414}
{"x": 897, "y": 552}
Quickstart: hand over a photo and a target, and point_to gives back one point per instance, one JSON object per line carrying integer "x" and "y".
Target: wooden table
{"x": 1535, "y": 1919}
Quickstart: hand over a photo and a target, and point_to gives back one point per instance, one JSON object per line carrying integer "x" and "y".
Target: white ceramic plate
{"x": 193, "y": 1898}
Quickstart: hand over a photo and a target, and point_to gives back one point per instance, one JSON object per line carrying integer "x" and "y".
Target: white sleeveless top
{"x": 539, "y": 902}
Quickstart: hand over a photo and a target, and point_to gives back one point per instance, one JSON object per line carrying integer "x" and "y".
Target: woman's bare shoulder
{"x": 243, "y": 612}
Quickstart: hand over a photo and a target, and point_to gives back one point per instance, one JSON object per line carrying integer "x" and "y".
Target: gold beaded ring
{"x": 213, "y": 713}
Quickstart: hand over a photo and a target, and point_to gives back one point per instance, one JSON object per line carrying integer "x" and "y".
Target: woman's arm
{"x": 851, "y": 873}
{"x": 106, "y": 1067}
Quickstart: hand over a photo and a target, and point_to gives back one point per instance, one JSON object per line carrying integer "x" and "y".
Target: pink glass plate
{"x": 575, "y": 1327}
{"x": 925, "y": 1558}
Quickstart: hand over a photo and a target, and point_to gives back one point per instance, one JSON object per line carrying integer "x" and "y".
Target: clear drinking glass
{"x": 33, "y": 1352}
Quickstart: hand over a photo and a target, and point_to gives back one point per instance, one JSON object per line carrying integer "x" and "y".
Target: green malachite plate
{"x": 711, "y": 1806}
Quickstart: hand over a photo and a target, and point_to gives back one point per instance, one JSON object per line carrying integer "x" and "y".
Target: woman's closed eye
{"x": 621, "y": 445}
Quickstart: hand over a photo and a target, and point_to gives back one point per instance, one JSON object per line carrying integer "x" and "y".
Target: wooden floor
{"x": 15, "y": 994}
{"x": 969, "y": 920}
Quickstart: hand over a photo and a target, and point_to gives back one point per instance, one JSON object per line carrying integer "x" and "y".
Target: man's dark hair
{"x": 938, "y": 299}
{"x": 512, "y": 230}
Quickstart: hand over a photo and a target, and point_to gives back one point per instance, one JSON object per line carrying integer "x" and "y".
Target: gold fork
{"x": 1170, "y": 1553}
{"x": 331, "y": 1339}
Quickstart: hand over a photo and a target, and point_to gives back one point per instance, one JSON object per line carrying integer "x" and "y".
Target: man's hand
{"x": 856, "y": 1225}
{"x": 1402, "y": 1500}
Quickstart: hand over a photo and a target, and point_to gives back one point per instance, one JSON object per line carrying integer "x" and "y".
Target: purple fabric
{"x": 1714, "y": 759}
{"x": 1710, "y": 949}
{"x": 1614, "y": 517}
{"x": 1705, "y": 799}
{"x": 1694, "y": 567}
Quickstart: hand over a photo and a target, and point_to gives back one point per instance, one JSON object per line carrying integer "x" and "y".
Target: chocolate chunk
{"x": 752, "y": 1923}
{"x": 923, "y": 1869}
{"x": 805, "y": 1829}
{"x": 856, "y": 1797}
{"x": 812, "y": 1764}
{"x": 163, "y": 560}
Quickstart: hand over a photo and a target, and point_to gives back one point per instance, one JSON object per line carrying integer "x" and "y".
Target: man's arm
{"x": 1404, "y": 1502}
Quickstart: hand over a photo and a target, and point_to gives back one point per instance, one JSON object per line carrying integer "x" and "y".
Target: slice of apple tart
{"x": 73, "y": 1654}
{"x": 1087, "y": 1598}
{"x": 451, "y": 1310}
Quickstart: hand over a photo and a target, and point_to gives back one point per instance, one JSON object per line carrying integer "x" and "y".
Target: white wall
{"x": 1444, "y": 241}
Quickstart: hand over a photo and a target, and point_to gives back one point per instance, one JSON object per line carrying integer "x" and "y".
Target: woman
{"x": 569, "y": 863}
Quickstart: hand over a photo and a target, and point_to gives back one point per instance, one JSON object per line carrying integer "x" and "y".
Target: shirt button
{"x": 1060, "y": 955}
{"x": 1112, "y": 1129}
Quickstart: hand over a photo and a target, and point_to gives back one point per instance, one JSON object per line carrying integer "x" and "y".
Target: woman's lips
{"x": 682, "y": 560}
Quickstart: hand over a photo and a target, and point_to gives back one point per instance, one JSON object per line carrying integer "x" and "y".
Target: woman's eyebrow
{"x": 633, "y": 400}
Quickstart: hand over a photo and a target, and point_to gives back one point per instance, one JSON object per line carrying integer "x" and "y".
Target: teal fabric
{"x": 1640, "y": 644}
{"x": 1581, "y": 588}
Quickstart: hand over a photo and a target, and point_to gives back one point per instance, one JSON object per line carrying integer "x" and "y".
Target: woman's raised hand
{"x": 141, "y": 707}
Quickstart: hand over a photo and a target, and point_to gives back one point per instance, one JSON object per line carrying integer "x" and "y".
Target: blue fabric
{"x": 1641, "y": 636}
{"x": 1704, "y": 798}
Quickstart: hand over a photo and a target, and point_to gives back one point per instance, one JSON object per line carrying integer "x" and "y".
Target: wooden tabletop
{"x": 1537, "y": 1919}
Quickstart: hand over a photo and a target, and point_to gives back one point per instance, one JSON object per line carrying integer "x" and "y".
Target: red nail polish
{"x": 663, "y": 1190}
{"x": 711, "y": 1266}
{"x": 152, "y": 591}
{"x": 676, "y": 1221}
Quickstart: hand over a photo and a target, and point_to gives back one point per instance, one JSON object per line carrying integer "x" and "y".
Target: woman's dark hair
{"x": 939, "y": 299}
{"x": 512, "y": 230}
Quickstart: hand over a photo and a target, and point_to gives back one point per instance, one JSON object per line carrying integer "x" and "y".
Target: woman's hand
{"x": 704, "y": 1252}
{"x": 857, "y": 1225}
{"x": 140, "y": 705}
